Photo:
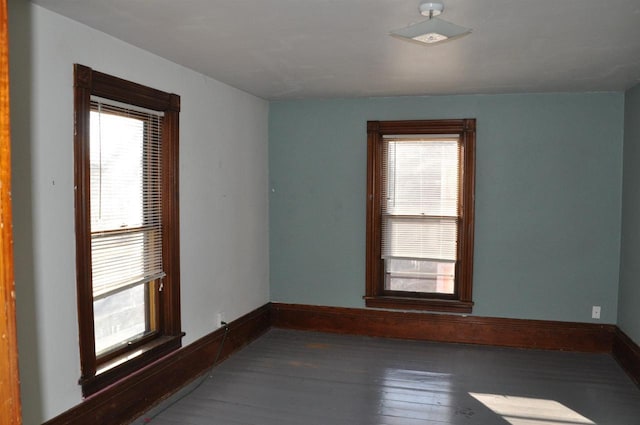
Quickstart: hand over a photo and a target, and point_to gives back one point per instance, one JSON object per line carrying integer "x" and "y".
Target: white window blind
{"x": 126, "y": 203}
{"x": 420, "y": 197}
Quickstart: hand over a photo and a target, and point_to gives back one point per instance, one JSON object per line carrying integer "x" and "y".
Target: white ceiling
{"x": 291, "y": 49}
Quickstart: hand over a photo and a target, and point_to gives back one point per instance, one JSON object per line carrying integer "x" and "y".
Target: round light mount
{"x": 431, "y": 9}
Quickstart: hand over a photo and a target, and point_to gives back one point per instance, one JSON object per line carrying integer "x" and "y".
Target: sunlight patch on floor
{"x": 531, "y": 411}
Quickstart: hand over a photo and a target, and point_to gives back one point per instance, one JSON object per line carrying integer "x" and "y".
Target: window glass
{"x": 116, "y": 171}
{"x": 119, "y": 318}
{"x": 420, "y": 188}
{"x": 125, "y": 243}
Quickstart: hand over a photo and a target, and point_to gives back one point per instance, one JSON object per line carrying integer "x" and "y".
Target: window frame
{"x": 96, "y": 373}
{"x": 375, "y": 294}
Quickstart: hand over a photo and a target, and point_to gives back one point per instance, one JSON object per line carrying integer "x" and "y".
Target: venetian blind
{"x": 126, "y": 201}
{"x": 420, "y": 197}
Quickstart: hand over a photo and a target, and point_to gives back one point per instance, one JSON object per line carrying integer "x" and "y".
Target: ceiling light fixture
{"x": 431, "y": 9}
{"x": 433, "y": 30}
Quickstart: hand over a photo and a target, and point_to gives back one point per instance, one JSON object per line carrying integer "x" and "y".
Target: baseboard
{"x": 131, "y": 397}
{"x": 531, "y": 334}
{"x": 134, "y": 395}
{"x": 627, "y": 353}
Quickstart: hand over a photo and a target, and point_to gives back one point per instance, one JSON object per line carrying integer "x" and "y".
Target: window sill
{"x": 409, "y": 303}
{"x": 124, "y": 365}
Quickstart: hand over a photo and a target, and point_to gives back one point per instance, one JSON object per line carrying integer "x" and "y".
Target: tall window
{"x": 420, "y": 214}
{"x": 126, "y": 143}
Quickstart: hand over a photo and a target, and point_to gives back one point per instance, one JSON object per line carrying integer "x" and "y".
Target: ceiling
{"x": 292, "y": 49}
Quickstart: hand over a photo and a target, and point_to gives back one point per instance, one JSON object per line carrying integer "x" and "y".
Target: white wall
{"x": 223, "y": 195}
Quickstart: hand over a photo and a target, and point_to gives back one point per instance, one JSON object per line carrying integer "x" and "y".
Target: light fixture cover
{"x": 431, "y": 9}
{"x": 431, "y": 31}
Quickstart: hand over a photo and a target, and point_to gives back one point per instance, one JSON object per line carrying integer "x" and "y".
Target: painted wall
{"x": 629, "y": 298}
{"x": 223, "y": 195}
{"x": 548, "y": 195}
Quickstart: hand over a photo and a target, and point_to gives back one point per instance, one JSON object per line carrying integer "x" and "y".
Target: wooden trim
{"x": 406, "y": 303}
{"x": 82, "y": 95}
{"x": 115, "y": 88}
{"x": 375, "y": 294}
{"x": 88, "y": 82}
{"x": 531, "y": 334}
{"x": 467, "y": 208}
{"x": 132, "y": 396}
{"x": 421, "y": 126}
{"x": 170, "y": 305}
{"x": 9, "y": 379}
{"x": 373, "y": 269}
{"x": 154, "y": 350}
{"x": 627, "y": 353}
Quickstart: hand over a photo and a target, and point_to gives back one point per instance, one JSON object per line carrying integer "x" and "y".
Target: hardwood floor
{"x": 302, "y": 378}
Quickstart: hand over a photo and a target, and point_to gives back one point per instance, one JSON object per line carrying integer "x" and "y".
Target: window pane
{"x": 116, "y": 171}
{"x": 120, "y": 318}
{"x": 414, "y": 275}
{"x": 420, "y": 190}
{"x": 420, "y": 177}
{"x": 126, "y": 233}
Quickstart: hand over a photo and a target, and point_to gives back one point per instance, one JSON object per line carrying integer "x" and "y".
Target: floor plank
{"x": 292, "y": 378}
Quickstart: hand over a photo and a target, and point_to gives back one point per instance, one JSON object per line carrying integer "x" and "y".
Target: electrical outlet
{"x": 220, "y": 317}
{"x": 595, "y": 312}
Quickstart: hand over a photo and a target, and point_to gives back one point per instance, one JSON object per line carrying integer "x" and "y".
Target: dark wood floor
{"x": 303, "y": 378}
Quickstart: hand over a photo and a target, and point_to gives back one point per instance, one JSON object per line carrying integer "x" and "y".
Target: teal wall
{"x": 629, "y": 300}
{"x": 548, "y": 196}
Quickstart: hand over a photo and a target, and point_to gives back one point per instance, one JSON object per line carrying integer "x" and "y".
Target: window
{"x": 420, "y": 194}
{"x": 126, "y": 214}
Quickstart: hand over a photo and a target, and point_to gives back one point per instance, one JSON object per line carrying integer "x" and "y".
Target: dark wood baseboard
{"x": 531, "y": 334}
{"x": 132, "y": 396}
{"x": 627, "y": 353}
{"x": 129, "y": 398}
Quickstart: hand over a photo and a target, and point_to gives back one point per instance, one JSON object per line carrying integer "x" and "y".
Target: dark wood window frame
{"x": 168, "y": 337}
{"x": 375, "y": 295}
